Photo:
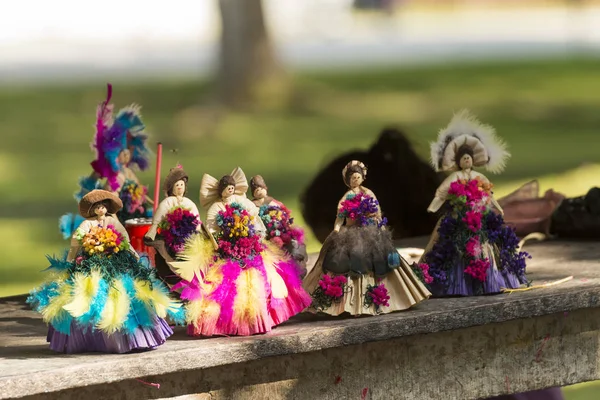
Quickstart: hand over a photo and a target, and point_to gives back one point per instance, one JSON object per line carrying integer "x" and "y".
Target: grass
{"x": 546, "y": 110}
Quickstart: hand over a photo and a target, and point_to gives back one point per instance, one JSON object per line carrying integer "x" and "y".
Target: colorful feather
{"x": 87, "y": 184}
{"x": 55, "y": 314}
{"x": 115, "y": 311}
{"x": 156, "y": 297}
{"x": 270, "y": 257}
{"x": 196, "y": 258}
{"x": 139, "y": 314}
{"x": 58, "y": 264}
{"x": 68, "y": 223}
{"x": 83, "y": 291}
{"x": 93, "y": 315}
{"x": 249, "y": 308}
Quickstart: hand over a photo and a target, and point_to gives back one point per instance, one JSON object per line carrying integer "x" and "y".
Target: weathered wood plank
{"x": 473, "y": 334}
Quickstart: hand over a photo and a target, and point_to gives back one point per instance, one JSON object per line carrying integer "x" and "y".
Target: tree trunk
{"x": 249, "y": 73}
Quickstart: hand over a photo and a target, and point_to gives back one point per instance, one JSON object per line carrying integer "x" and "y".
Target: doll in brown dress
{"x": 359, "y": 270}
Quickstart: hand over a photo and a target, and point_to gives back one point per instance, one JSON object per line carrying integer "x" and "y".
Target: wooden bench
{"x": 459, "y": 348}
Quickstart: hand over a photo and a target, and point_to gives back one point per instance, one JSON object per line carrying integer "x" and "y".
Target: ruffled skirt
{"x": 367, "y": 258}
{"x": 95, "y": 310}
{"x": 233, "y": 298}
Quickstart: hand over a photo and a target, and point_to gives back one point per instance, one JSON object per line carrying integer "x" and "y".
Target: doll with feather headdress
{"x": 120, "y": 146}
{"x": 359, "y": 270}
{"x": 102, "y": 297}
{"x": 235, "y": 282}
{"x": 471, "y": 250}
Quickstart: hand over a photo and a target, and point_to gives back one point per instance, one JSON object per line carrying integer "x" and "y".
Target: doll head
{"x": 98, "y": 203}
{"x": 464, "y": 157}
{"x": 258, "y": 187}
{"x": 226, "y": 186}
{"x": 124, "y": 157}
{"x": 354, "y": 174}
{"x": 176, "y": 182}
{"x": 100, "y": 209}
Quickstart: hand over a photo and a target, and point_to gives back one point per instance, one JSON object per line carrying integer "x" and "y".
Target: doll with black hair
{"x": 279, "y": 223}
{"x": 359, "y": 271}
{"x": 471, "y": 251}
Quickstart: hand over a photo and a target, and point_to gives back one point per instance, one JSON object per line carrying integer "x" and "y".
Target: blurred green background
{"x": 545, "y": 106}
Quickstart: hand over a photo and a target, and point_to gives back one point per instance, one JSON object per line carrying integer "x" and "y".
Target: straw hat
{"x": 86, "y": 205}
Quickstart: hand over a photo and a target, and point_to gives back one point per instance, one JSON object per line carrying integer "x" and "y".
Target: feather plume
{"x": 54, "y": 313}
{"x": 116, "y": 309}
{"x": 68, "y": 223}
{"x": 92, "y": 316}
{"x": 83, "y": 292}
{"x": 270, "y": 258}
{"x": 196, "y": 258}
{"x": 156, "y": 297}
{"x": 464, "y": 123}
{"x": 58, "y": 264}
{"x": 250, "y": 300}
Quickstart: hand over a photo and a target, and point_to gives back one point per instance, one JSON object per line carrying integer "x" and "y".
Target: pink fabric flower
{"x": 473, "y": 220}
{"x": 379, "y": 295}
{"x": 473, "y": 247}
{"x": 333, "y": 287}
{"x": 478, "y": 269}
{"x": 425, "y": 269}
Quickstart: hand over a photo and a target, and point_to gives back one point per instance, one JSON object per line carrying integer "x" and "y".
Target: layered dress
{"x": 471, "y": 250}
{"x": 175, "y": 221}
{"x": 235, "y": 282}
{"x": 281, "y": 231}
{"x": 359, "y": 270}
{"x": 101, "y": 297}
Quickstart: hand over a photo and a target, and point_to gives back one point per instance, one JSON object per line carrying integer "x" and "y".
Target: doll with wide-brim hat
{"x": 101, "y": 297}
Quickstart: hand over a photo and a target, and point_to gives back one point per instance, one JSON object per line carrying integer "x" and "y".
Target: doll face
{"x": 179, "y": 188}
{"x": 228, "y": 191}
{"x": 356, "y": 180}
{"x": 260, "y": 193}
{"x": 124, "y": 157}
{"x": 100, "y": 210}
{"x": 466, "y": 162}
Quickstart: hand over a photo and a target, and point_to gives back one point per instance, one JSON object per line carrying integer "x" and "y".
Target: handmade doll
{"x": 176, "y": 219}
{"x": 236, "y": 283}
{"x": 279, "y": 223}
{"x": 471, "y": 250}
{"x": 101, "y": 296}
{"x": 359, "y": 270}
{"x": 120, "y": 146}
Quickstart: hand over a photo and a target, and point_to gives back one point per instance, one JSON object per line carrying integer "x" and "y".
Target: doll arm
{"x": 441, "y": 194}
{"x": 79, "y": 233}
{"x": 211, "y": 216}
{"x": 194, "y": 210}
{"x": 492, "y": 199}
{"x": 339, "y": 221}
{"x": 157, "y": 218}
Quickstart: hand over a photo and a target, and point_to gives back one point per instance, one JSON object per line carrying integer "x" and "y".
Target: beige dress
{"x": 365, "y": 245}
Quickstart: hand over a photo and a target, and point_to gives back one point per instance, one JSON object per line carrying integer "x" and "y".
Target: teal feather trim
{"x": 176, "y": 315}
{"x": 92, "y": 317}
{"x": 86, "y": 185}
{"x": 68, "y": 223}
{"x": 139, "y": 314}
{"x": 58, "y": 264}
